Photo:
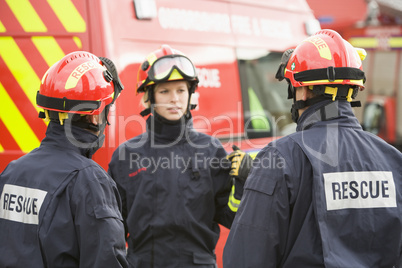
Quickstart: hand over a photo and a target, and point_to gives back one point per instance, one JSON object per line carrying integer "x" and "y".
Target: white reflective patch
{"x": 21, "y": 204}
{"x": 364, "y": 189}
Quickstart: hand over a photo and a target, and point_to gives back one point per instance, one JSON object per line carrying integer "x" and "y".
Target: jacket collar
{"x": 328, "y": 110}
{"x": 72, "y": 138}
{"x": 162, "y": 131}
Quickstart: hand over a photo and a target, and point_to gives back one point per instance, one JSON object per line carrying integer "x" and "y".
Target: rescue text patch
{"x": 364, "y": 189}
{"x": 78, "y": 72}
{"x": 21, "y": 204}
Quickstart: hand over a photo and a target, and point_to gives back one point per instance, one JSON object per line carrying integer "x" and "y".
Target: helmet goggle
{"x": 162, "y": 69}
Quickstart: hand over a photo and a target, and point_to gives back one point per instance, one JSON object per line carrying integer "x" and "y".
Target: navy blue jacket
{"x": 175, "y": 190}
{"x": 59, "y": 208}
{"x": 329, "y": 195}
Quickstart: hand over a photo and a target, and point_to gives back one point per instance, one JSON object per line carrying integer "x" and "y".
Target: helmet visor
{"x": 163, "y": 67}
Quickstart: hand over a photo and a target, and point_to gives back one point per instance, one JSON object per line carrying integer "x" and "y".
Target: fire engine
{"x": 236, "y": 46}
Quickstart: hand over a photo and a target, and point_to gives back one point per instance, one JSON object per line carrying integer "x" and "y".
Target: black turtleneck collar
{"x": 162, "y": 130}
{"x": 72, "y": 138}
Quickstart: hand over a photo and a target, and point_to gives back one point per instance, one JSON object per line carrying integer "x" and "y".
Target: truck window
{"x": 265, "y": 104}
{"x": 373, "y": 117}
{"x": 383, "y": 75}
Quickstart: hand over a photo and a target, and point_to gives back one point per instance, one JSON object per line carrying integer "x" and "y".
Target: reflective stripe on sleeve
{"x": 233, "y": 202}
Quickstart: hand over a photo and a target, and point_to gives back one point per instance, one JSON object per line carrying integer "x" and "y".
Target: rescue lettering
{"x": 354, "y": 189}
{"x": 365, "y": 189}
{"x": 21, "y": 204}
{"x": 322, "y": 47}
{"x": 319, "y": 43}
{"x": 81, "y": 69}
{"x": 78, "y": 72}
{"x": 209, "y": 78}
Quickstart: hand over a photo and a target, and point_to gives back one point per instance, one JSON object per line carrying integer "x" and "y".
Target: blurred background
{"x": 374, "y": 25}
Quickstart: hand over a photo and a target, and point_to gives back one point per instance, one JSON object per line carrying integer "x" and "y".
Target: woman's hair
{"x": 144, "y": 100}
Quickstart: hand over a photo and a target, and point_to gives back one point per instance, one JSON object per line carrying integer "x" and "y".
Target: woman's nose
{"x": 175, "y": 96}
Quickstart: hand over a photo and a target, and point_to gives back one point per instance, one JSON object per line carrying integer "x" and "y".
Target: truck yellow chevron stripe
{"x": 48, "y": 48}
{"x": 78, "y": 42}
{"x": 26, "y": 16}
{"x": 16, "y": 123}
{"x": 68, "y": 15}
{"x": 16, "y": 61}
{"x": 2, "y": 28}
{"x": 20, "y": 64}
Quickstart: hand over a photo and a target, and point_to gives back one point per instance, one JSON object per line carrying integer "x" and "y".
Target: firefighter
{"x": 174, "y": 181}
{"x": 331, "y": 193}
{"x": 58, "y": 208}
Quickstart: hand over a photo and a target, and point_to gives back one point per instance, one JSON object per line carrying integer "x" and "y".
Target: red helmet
{"x": 78, "y": 83}
{"x": 325, "y": 59}
{"x": 165, "y": 64}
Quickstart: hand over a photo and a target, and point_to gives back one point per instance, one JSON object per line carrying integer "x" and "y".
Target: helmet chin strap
{"x": 297, "y": 105}
{"x": 323, "y": 92}
{"x": 79, "y": 121}
{"x": 190, "y": 106}
{"x": 300, "y": 104}
{"x": 99, "y": 129}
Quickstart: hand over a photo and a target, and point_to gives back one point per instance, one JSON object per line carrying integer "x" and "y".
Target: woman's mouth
{"x": 174, "y": 109}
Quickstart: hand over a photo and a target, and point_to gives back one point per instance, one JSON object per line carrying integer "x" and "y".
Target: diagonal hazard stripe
{"x": 26, "y": 15}
{"x": 16, "y": 123}
{"x": 16, "y": 61}
{"x": 68, "y": 15}
{"x": 48, "y": 48}
{"x": 1, "y": 149}
{"x": 7, "y": 140}
{"x": 78, "y": 42}
{"x": 2, "y": 28}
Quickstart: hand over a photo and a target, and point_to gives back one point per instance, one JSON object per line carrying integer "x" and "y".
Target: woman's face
{"x": 171, "y": 99}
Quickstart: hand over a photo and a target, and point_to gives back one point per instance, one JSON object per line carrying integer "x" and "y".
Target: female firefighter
{"x": 174, "y": 181}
